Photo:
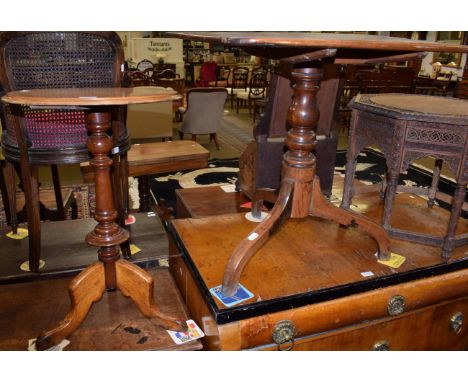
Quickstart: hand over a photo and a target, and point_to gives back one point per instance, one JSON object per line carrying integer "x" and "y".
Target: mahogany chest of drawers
{"x": 318, "y": 286}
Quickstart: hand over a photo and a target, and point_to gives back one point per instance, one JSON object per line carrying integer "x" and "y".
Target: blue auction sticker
{"x": 241, "y": 294}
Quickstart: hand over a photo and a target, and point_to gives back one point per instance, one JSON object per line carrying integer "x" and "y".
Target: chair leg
{"x": 255, "y": 112}
{"x": 124, "y": 180}
{"x": 120, "y": 187}
{"x": 214, "y": 137}
{"x": 237, "y": 105}
{"x": 194, "y": 137}
{"x": 181, "y": 135}
{"x": 249, "y": 105}
{"x": 144, "y": 193}
{"x": 11, "y": 194}
{"x": 31, "y": 194}
{"x": 58, "y": 192}
{"x": 117, "y": 189}
{"x": 4, "y": 192}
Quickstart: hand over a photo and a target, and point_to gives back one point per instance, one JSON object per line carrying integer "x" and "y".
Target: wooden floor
{"x": 65, "y": 251}
{"x": 113, "y": 323}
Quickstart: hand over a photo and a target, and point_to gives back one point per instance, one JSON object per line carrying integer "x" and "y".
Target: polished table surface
{"x": 348, "y": 44}
{"x": 90, "y": 96}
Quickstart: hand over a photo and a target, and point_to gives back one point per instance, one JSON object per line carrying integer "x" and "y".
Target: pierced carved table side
{"x": 406, "y": 128}
{"x": 110, "y": 272}
{"x": 303, "y": 56}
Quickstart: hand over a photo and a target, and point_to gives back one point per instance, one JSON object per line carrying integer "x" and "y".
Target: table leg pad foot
{"x": 85, "y": 289}
{"x": 137, "y": 284}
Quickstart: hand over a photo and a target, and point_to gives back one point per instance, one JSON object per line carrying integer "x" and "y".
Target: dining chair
{"x": 138, "y": 78}
{"x": 146, "y": 66}
{"x": 169, "y": 78}
{"x": 55, "y": 135}
{"x": 205, "y": 109}
{"x": 222, "y": 77}
{"x": 239, "y": 82}
{"x": 257, "y": 89}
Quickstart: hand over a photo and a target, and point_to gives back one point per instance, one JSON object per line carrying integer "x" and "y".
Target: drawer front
{"x": 442, "y": 327}
{"x": 413, "y": 315}
{"x": 377, "y": 306}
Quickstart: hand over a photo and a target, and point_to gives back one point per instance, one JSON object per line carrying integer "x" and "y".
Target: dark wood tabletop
{"x": 350, "y": 46}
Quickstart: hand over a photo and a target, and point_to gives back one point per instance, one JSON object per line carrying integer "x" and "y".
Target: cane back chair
{"x": 52, "y": 136}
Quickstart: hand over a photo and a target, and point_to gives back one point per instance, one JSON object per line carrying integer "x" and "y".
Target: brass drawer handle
{"x": 283, "y": 334}
{"x": 456, "y": 322}
{"x": 381, "y": 346}
{"x": 396, "y": 305}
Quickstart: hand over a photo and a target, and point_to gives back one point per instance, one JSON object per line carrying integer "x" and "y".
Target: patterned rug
{"x": 219, "y": 172}
{"x": 369, "y": 169}
{"x": 84, "y": 196}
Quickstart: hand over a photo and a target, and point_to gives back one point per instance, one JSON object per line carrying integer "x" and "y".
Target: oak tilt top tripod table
{"x": 110, "y": 272}
{"x": 304, "y": 55}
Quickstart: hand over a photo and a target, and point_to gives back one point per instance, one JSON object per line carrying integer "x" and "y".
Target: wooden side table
{"x": 408, "y": 127}
{"x": 110, "y": 272}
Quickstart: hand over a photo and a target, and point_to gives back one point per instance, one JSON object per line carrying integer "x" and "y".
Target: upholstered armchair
{"x": 205, "y": 109}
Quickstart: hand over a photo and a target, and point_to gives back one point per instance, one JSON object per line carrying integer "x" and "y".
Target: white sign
{"x": 153, "y": 49}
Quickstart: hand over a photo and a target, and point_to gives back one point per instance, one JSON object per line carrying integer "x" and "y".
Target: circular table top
{"x": 414, "y": 106}
{"x": 91, "y": 96}
{"x": 320, "y": 40}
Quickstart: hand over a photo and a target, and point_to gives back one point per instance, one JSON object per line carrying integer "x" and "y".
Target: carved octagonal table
{"x": 408, "y": 127}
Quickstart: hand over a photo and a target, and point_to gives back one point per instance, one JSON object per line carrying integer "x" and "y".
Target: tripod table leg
{"x": 135, "y": 283}
{"x": 85, "y": 289}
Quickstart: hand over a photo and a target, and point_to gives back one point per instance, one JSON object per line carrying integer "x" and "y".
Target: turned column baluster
{"x": 298, "y": 175}
{"x": 107, "y": 234}
{"x": 299, "y": 163}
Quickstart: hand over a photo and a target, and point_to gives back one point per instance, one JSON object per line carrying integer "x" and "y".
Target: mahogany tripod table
{"x": 110, "y": 272}
{"x": 302, "y": 56}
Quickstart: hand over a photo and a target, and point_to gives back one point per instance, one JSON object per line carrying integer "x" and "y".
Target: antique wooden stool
{"x": 406, "y": 128}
